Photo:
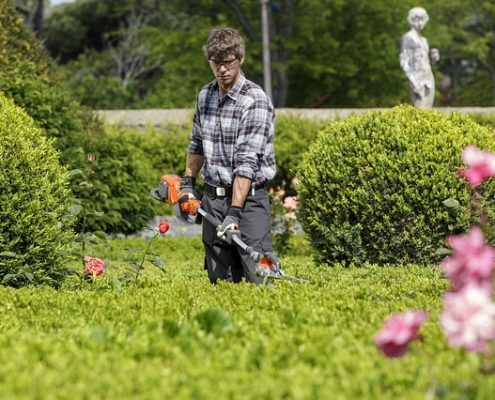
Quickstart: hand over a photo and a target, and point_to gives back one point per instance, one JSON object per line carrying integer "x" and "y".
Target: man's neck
{"x": 225, "y": 89}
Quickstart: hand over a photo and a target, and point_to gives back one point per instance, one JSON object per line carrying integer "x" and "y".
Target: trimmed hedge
{"x": 192, "y": 340}
{"x": 35, "y": 222}
{"x": 372, "y": 187}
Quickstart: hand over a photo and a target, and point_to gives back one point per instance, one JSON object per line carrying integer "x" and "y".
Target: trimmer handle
{"x": 209, "y": 218}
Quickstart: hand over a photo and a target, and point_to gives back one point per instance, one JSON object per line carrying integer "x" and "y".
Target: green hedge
{"x": 293, "y": 135}
{"x": 192, "y": 340}
{"x": 372, "y": 187}
{"x": 35, "y": 222}
{"x": 121, "y": 178}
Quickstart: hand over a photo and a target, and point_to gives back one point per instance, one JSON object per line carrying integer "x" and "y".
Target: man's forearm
{"x": 240, "y": 190}
{"x": 194, "y": 163}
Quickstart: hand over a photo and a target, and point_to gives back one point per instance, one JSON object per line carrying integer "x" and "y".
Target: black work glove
{"x": 187, "y": 186}
{"x": 273, "y": 258}
{"x": 230, "y": 223}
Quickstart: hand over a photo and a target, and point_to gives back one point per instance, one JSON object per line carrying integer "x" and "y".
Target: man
{"x": 232, "y": 141}
{"x": 415, "y": 58}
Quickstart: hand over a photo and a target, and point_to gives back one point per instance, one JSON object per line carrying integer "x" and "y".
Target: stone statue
{"x": 415, "y": 57}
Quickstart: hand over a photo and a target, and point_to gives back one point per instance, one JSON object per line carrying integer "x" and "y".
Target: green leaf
{"x": 442, "y": 251}
{"x": 75, "y": 209}
{"x": 158, "y": 262}
{"x": 9, "y": 277}
{"x": 451, "y": 203}
{"x": 29, "y": 276}
{"x": 76, "y": 171}
{"x": 9, "y": 254}
{"x": 101, "y": 235}
{"x": 117, "y": 286}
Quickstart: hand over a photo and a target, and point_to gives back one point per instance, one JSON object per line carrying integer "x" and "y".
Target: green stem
{"x": 83, "y": 241}
{"x": 144, "y": 258}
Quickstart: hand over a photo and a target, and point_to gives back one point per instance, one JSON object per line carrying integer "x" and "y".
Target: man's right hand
{"x": 188, "y": 200}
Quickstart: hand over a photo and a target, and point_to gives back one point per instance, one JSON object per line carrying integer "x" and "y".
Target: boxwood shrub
{"x": 372, "y": 187}
{"x": 35, "y": 222}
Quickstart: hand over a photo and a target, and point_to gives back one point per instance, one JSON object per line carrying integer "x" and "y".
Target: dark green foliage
{"x": 28, "y": 76}
{"x": 129, "y": 162}
{"x": 165, "y": 147}
{"x": 35, "y": 223}
{"x": 484, "y": 119}
{"x": 372, "y": 187}
{"x": 293, "y": 135}
{"x": 122, "y": 177}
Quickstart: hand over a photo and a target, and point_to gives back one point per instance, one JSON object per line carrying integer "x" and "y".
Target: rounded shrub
{"x": 372, "y": 188}
{"x": 35, "y": 220}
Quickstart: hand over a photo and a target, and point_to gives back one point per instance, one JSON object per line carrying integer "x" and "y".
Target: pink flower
{"x": 399, "y": 330}
{"x": 481, "y": 165}
{"x": 94, "y": 266}
{"x": 163, "y": 227}
{"x": 468, "y": 318}
{"x": 472, "y": 262}
{"x": 290, "y": 203}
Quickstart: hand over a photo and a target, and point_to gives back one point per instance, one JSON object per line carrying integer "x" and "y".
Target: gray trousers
{"x": 228, "y": 262}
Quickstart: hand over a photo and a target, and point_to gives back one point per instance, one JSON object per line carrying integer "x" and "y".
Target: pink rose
{"x": 399, "y": 330}
{"x": 472, "y": 262}
{"x": 481, "y": 165}
{"x": 468, "y": 318}
{"x": 94, "y": 266}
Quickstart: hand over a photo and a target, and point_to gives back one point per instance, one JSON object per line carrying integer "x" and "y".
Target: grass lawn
{"x": 172, "y": 335}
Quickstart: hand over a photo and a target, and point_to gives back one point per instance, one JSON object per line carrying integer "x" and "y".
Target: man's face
{"x": 226, "y": 70}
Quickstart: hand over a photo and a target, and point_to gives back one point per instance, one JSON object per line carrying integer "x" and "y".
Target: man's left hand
{"x": 230, "y": 223}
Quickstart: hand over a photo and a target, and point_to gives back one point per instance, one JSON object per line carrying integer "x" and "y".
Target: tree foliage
{"x": 338, "y": 53}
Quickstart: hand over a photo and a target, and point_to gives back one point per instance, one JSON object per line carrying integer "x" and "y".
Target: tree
{"x": 466, "y": 30}
{"x": 33, "y": 11}
{"x": 130, "y": 53}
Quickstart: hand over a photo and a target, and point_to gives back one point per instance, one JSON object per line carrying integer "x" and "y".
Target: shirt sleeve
{"x": 253, "y": 135}
{"x": 196, "y": 137}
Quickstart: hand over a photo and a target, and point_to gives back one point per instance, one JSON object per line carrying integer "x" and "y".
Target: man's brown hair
{"x": 223, "y": 42}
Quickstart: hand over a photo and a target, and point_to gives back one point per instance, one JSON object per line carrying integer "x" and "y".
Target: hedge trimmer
{"x": 188, "y": 208}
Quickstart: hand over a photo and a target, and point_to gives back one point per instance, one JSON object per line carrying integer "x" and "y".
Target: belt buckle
{"x": 220, "y": 191}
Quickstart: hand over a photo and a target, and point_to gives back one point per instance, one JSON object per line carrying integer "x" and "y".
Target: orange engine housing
{"x": 171, "y": 184}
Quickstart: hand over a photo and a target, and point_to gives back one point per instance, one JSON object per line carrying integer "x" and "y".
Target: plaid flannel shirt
{"x": 235, "y": 133}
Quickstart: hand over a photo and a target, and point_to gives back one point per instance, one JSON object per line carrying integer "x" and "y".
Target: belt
{"x": 226, "y": 191}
